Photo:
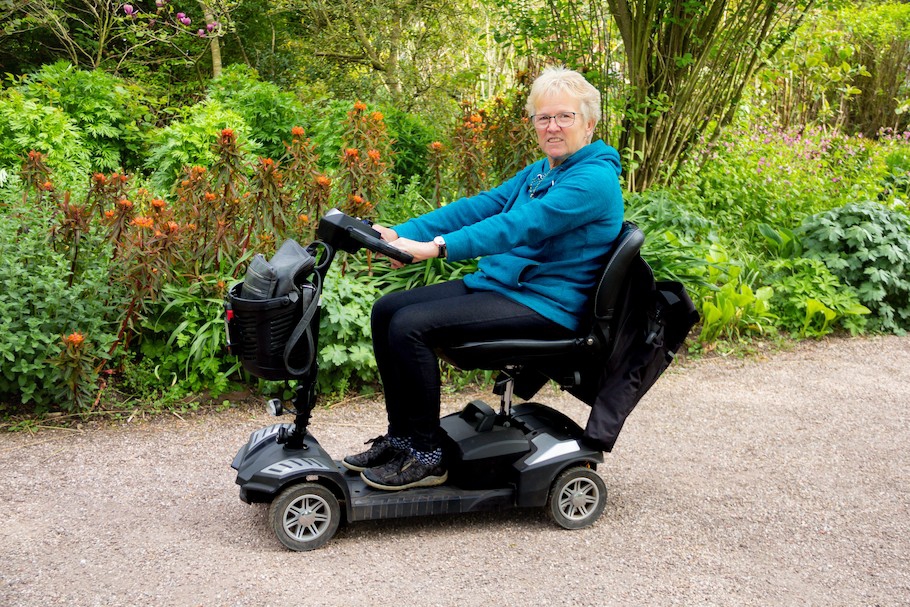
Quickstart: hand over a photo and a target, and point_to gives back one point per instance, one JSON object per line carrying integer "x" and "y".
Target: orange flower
{"x": 374, "y": 155}
{"x": 124, "y": 203}
{"x": 297, "y": 131}
{"x": 377, "y": 116}
{"x": 157, "y": 203}
{"x": 99, "y": 178}
{"x": 323, "y": 181}
{"x": 143, "y": 222}
{"x": 436, "y": 146}
{"x": 475, "y": 118}
{"x": 198, "y": 170}
{"x": 74, "y": 339}
{"x": 172, "y": 226}
{"x": 352, "y": 153}
{"x": 360, "y": 106}
{"x": 109, "y": 213}
{"x": 210, "y": 196}
{"x": 227, "y": 133}
{"x": 48, "y": 186}
{"x": 191, "y": 227}
{"x": 355, "y": 199}
{"x": 304, "y": 218}
{"x": 267, "y": 162}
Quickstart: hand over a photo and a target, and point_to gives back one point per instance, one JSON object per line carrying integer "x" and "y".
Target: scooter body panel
{"x": 494, "y": 463}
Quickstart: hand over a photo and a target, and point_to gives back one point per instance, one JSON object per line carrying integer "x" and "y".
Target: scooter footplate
{"x": 369, "y": 504}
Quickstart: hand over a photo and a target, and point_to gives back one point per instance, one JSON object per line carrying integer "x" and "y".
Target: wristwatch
{"x": 440, "y": 242}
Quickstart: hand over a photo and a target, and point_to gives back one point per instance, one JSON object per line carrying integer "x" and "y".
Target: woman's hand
{"x": 419, "y": 250}
{"x": 387, "y": 234}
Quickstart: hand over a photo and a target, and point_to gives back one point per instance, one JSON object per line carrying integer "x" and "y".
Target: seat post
{"x": 505, "y": 387}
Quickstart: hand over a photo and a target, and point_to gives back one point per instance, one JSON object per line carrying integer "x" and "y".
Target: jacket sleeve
{"x": 462, "y": 212}
{"x": 583, "y": 195}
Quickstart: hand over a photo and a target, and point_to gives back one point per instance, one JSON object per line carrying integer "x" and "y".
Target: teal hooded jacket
{"x": 542, "y": 235}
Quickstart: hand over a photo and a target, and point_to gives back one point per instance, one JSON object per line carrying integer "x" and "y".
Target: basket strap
{"x": 302, "y": 329}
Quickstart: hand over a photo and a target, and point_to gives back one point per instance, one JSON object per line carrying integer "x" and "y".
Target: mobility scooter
{"x": 526, "y": 455}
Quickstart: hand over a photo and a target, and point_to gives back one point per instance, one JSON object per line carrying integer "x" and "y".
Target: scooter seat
{"x": 560, "y": 355}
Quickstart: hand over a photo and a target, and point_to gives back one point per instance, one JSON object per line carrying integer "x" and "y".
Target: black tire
{"x": 577, "y": 498}
{"x": 305, "y": 516}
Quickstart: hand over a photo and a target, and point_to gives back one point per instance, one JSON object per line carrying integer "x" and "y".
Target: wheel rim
{"x": 307, "y": 517}
{"x": 578, "y": 499}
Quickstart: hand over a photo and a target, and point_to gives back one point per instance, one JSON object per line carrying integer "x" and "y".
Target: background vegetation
{"x": 147, "y": 150}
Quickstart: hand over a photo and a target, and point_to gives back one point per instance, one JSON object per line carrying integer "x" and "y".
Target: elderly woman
{"x": 542, "y": 234}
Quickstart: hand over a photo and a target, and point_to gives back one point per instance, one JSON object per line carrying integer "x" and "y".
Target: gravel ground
{"x": 778, "y": 480}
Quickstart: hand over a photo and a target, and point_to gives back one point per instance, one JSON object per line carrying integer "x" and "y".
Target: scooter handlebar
{"x": 378, "y": 245}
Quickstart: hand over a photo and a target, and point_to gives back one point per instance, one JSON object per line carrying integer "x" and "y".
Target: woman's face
{"x": 558, "y": 143}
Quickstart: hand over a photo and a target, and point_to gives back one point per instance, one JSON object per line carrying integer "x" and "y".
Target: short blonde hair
{"x": 559, "y": 80}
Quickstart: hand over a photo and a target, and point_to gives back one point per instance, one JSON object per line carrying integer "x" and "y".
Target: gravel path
{"x": 779, "y": 480}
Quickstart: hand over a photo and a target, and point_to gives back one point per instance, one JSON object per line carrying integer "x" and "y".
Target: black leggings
{"x": 408, "y": 325}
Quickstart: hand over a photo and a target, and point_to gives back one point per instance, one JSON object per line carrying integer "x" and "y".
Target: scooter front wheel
{"x": 577, "y": 498}
{"x": 305, "y": 516}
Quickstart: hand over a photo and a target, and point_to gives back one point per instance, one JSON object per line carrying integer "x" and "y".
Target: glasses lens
{"x": 565, "y": 119}
{"x": 541, "y": 121}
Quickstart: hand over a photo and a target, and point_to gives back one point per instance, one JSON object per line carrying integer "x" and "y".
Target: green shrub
{"x": 345, "y": 346}
{"x": 867, "y": 246}
{"x": 268, "y": 112}
{"x": 109, "y": 112}
{"x": 779, "y": 176}
{"x": 39, "y": 308}
{"x": 810, "y": 301}
{"x": 26, "y": 124}
{"x": 188, "y": 142}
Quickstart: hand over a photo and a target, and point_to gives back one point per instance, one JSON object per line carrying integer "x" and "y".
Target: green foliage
{"x": 782, "y": 242}
{"x": 810, "y": 301}
{"x": 777, "y": 176}
{"x": 189, "y": 141}
{"x": 186, "y": 340}
{"x": 38, "y": 308}
{"x": 735, "y": 311}
{"x": 26, "y": 124}
{"x": 268, "y": 112}
{"x": 867, "y": 246}
{"x": 346, "y": 350}
{"x": 843, "y": 69}
{"x": 410, "y": 137}
{"x": 109, "y": 112}
{"x": 677, "y": 241}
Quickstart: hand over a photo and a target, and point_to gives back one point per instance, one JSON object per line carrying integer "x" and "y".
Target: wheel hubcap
{"x": 307, "y": 517}
{"x": 578, "y": 499}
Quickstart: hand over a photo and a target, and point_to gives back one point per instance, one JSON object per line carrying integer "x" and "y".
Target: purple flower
{"x": 201, "y": 33}
{"x": 185, "y": 21}
{"x": 180, "y": 16}
{"x": 210, "y": 27}
{"x": 159, "y": 3}
{"x": 129, "y": 10}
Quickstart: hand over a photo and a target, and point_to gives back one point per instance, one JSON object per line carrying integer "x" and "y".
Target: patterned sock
{"x": 428, "y": 458}
{"x": 402, "y": 444}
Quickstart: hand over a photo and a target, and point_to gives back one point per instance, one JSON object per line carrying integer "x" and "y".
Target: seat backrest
{"x": 612, "y": 282}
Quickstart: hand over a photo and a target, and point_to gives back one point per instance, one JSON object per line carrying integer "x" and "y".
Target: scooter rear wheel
{"x": 305, "y": 516}
{"x": 577, "y": 498}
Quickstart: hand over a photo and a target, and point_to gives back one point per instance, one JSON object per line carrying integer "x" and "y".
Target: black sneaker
{"x": 404, "y": 471}
{"x": 381, "y": 452}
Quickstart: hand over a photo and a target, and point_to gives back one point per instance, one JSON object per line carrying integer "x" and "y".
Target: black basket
{"x": 259, "y": 330}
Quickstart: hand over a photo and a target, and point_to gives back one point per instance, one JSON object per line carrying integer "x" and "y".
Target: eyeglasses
{"x": 563, "y": 120}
